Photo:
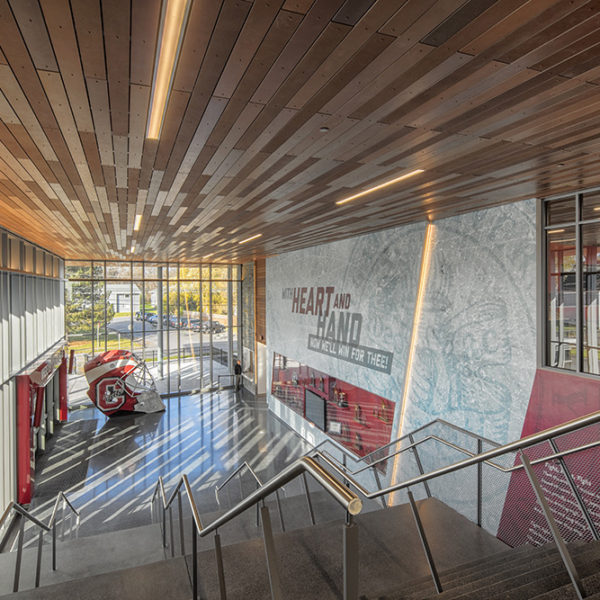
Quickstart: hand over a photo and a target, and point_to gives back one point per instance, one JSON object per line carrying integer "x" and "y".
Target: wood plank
{"x": 62, "y": 34}
{"x": 116, "y": 23}
{"x": 33, "y": 29}
{"x": 256, "y": 25}
{"x": 145, "y": 20}
{"x": 138, "y": 114}
{"x": 88, "y": 25}
{"x": 308, "y": 31}
{"x": 98, "y": 95}
{"x": 299, "y": 6}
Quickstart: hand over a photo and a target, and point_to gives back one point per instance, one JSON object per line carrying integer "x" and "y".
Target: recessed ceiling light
{"x": 132, "y": 249}
{"x": 250, "y": 238}
{"x": 173, "y": 21}
{"x": 380, "y": 186}
{"x": 137, "y": 223}
{"x": 324, "y": 129}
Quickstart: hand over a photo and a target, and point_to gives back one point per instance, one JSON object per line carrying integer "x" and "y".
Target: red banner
{"x": 556, "y": 398}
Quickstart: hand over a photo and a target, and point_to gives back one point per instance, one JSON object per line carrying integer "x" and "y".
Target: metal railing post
{"x": 578, "y": 498}
{"x": 415, "y": 452}
{"x": 171, "y": 531}
{"x": 271, "y": 554}
{"x": 54, "y": 546}
{"x": 308, "y": 500}
{"x": 19, "y": 556}
{"x": 220, "y": 570}
{"x": 38, "y": 567}
{"x": 350, "y": 557}
{"x": 479, "y": 483}
{"x": 194, "y": 561}
{"x": 425, "y": 543}
{"x": 560, "y": 543}
{"x": 279, "y": 510}
{"x": 378, "y": 484}
{"x": 181, "y": 536}
{"x": 346, "y": 482}
{"x": 164, "y": 528}
{"x": 257, "y": 509}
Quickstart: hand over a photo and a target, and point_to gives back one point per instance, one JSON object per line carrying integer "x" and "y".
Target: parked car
{"x": 191, "y": 324}
{"x": 174, "y": 321}
{"x": 213, "y": 326}
{"x": 146, "y": 316}
{"x": 153, "y": 320}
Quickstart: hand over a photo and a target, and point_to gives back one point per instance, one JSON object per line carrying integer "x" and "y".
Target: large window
{"x": 572, "y": 228}
{"x": 182, "y": 319}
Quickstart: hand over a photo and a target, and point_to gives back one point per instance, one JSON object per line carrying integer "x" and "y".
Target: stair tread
{"x": 155, "y": 581}
{"x": 311, "y": 561}
{"x": 524, "y": 578}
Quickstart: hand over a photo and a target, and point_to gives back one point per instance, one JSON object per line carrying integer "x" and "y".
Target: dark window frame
{"x": 578, "y": 223}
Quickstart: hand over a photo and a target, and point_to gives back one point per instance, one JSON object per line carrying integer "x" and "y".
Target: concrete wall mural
{"x": 474, "y": 358}
{"x": 475, "y": 354}
{"x": 368, "y": 285}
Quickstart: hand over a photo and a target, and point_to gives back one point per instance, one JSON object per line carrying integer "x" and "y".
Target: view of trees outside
{"x": 182, "y": 319}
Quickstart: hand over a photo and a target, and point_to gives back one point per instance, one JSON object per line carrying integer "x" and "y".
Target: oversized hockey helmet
{"x": 120, "y": 381}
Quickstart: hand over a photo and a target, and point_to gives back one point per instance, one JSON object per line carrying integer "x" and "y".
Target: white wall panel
{"x": 31, "y": 321}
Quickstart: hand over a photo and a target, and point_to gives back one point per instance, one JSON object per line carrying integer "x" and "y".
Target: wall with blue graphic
{"x": 475, "y": 352}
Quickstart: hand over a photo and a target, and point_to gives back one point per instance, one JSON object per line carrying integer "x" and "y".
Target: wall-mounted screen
{"x": 315, "y": 408}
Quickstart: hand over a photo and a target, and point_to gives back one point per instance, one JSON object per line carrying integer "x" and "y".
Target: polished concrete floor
{"x": 108, "y": 467}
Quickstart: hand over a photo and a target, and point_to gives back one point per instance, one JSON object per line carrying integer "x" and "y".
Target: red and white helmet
{"x": 120, "y": 381}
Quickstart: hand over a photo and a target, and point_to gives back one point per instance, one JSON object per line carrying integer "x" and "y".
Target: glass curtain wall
{"x": 182, "y": 319}
{"x": 572, "y": 228}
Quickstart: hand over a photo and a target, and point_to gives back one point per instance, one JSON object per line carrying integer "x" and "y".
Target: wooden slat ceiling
{"x": 496, "y": 99}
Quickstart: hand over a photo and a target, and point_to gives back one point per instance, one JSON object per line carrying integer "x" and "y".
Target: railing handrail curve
{"x": 359, "y": 459}
{"x": 484, "y": 457}
{"x": 239, "y": 468}
{"x": 25, "y": 513}
{"x": 44, "y": 528}
{"x": 305, "y": 464}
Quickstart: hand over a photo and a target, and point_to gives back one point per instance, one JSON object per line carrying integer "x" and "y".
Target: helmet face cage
{"x": 139, "y": 379}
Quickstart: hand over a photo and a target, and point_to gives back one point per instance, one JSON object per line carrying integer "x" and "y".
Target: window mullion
{"x": 578, "y": 287}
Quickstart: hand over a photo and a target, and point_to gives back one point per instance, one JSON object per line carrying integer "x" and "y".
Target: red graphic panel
{"x": 356, "y": 418}
{"x": 556, "y": 398}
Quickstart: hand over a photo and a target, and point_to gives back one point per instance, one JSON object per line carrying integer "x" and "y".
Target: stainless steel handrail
{"x": 342, "y": 494}
{"x": 547, "y": 435}
{"x": 412, "y": 447}
{"x": 350, "y": 501}
{"x": 484, "y": 457}
{"x": 366, "y": 457}
{"x": 490, "y": 463}
{"x": 50, "y": 526}
{"x": 237, "y": 471}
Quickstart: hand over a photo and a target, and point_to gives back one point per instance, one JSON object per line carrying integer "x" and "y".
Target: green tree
{"x": 86, "y": 304}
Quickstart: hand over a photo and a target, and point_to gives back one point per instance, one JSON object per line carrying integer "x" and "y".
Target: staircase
{"x": 315, "y": 542}
{"x": 472, "y": 563}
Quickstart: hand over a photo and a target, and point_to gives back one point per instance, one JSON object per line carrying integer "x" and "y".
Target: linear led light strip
{"x": 423, "y": 277}
{"x": 250, "y": 238}
{"x": 173, "y": 20}
{"x": 380, "y": 186}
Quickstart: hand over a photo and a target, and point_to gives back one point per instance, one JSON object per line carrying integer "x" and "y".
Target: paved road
{"x": 122, "y": 326}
